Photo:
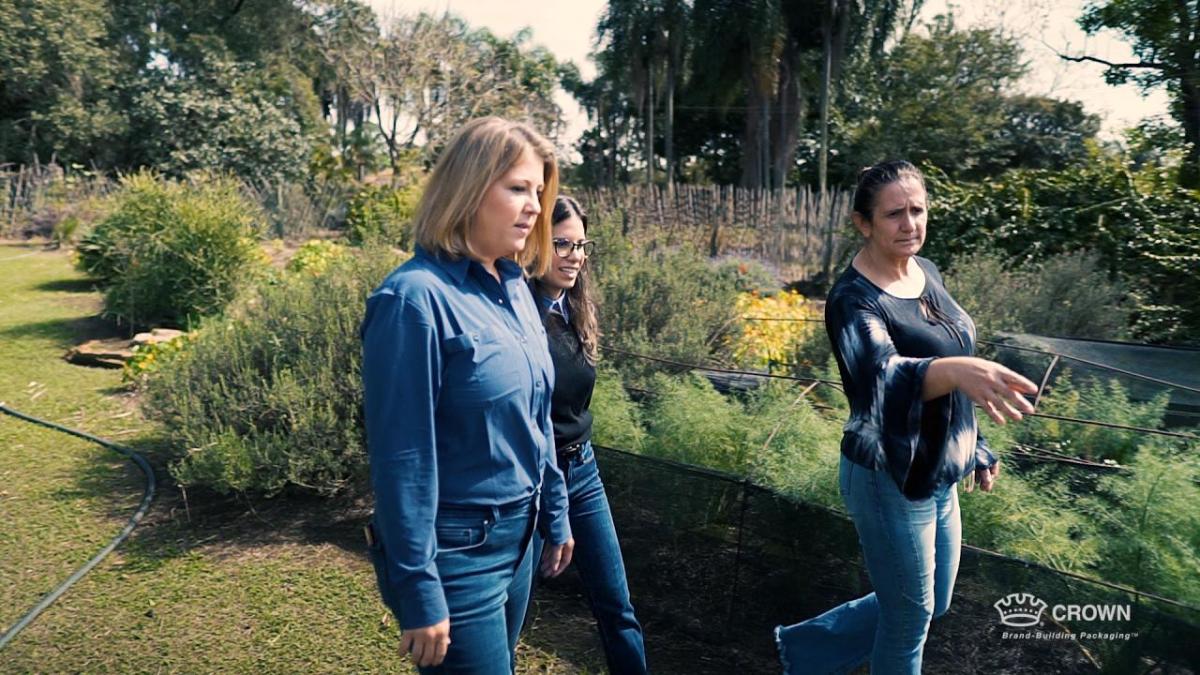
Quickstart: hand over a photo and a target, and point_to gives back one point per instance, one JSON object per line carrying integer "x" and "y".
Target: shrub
{"x": 271, "y": 394}
{"x": 1065, "y": 295}
{"x": 1092, "y": 400}
{"x": 667, "y": 302}
{"x": 379, "y": 214}
{"x": 315, "y": 256}
{"x": 616, "y": 419}
{"x": 748, "y": 276}
{"x": 172, "y": 252}
{"x": 1140, "y": 231}
{"x": 1151, "y": 523}
{"x": 691, "y": 422}
{"x": 794, "y": 449}
{"x": 772, "y": 328}
{"x": 1027, "y": 517}
{"x": 151, "y": 357}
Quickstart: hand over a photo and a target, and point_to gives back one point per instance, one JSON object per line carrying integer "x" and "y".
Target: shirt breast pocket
{"x": 481, "y": 366}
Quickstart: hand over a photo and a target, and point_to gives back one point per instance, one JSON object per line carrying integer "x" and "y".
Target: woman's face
{"x": 509, "y": 209}
{"x": 564, "y": 272}
{"x": 897, "y": 225}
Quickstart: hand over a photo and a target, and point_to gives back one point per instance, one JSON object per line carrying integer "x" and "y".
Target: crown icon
{"x": 1020, "y": 609}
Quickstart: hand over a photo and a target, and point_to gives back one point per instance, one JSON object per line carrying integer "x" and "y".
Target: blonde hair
{"x": 480, "y": 153}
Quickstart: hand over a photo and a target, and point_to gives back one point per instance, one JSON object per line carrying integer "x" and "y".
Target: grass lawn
{"x": 208, "y": 584}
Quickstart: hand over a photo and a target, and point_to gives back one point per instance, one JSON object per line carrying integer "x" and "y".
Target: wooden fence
{"x": 35, "y": 198}
{"x": 797, "y": 230}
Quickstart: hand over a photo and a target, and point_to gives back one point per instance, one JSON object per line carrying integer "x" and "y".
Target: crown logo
{"x": 1020, "y": 610}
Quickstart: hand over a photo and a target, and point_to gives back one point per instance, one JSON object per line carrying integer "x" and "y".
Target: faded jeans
{"x": 911, "y": 548}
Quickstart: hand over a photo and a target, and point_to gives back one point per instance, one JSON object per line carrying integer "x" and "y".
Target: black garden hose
{"x": 147, "y": 497}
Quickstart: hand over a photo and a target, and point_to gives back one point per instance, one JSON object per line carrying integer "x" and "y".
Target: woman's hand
{"x": 427, "y": 645}
{"x": 988, "y": 384}
{"x": 985, "y": 477}
{"x": 556, "y": 558}
{"x": 996, "y": 389}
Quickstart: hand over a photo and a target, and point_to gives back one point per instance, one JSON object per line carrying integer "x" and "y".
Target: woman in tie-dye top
{"x": 904, "y": 349}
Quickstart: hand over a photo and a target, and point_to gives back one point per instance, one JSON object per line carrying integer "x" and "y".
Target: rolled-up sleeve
{"x": 401, "y": 379}
{"x": 883, "y": 388}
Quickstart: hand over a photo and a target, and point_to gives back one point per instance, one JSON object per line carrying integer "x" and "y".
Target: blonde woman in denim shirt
{"x": 905, "y": 351}
{"x": 457, "y": 383}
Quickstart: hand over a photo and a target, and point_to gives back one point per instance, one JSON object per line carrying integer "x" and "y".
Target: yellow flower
{"x": 772, "y": 328}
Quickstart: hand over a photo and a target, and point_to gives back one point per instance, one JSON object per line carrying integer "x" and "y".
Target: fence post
{"x": 737, "y": 560}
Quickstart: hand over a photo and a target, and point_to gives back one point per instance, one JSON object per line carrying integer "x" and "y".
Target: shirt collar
{"x": 548, "y": 303}
{"x": 459, "y": 267}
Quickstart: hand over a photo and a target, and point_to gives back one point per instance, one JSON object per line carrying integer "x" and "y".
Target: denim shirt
{"x": 457, "y": 386}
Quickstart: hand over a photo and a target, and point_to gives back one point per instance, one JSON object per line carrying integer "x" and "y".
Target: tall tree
{"x": 939, "y": 97}
{"x": 1165, "y": 36}
{"x": 57, "y": 80}
{"x": 422, "y": 77}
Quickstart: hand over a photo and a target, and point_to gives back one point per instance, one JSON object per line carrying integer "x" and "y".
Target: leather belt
{"x": 571, "y": 451}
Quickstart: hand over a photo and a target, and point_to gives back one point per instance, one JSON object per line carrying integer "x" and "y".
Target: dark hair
{"x": 872, "y": 179}
{"x": 579, "y": 297}
{"x": 565, "y": 207}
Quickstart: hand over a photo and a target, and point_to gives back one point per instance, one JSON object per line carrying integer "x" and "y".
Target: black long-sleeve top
{"x": 884, "y": 345}
{"x": 574, "y": 377}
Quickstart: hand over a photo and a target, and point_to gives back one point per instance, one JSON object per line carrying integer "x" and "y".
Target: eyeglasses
{"x": 564, "y": 247}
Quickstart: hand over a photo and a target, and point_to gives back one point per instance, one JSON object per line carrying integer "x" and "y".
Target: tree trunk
{"x": 650, "y": 127}
{"x": 786, "y": 130}
{"x": 669, "y": 130}
{"x": 753, "y": 147}
{"x": 823, "y": 157}
{"x": 1189, "y": 172}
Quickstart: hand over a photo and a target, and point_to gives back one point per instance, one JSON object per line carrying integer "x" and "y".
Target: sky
{"x": 1044, "y": 28}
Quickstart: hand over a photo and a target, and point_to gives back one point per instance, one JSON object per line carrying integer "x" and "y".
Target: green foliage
{"x": 795, "y": 449}
{"x": 662, "y": 302}
{"x": 616, "y": 420}
{"x": 315, "y": 256}
{"x": 1029, "y": 519}
{"x": 222, "y": 116}
{"x": 271, "y": 394}
{"x": 1151, "y": 523}
{"x": 940, "y": 92}
{"x": 59, "y": 76}
{"x": 151, "y": 357}
{"x": 1144, "y": 239}
{"x": 172, "y": 252}
{"x": 691, "y": 422}
{"x": 1066, "y": 295}
{"x": 380, "y": 214}
{"x": 1092, "y": 400}
{"x": 1159, "y": 32}
{"x": 748, "y": 275}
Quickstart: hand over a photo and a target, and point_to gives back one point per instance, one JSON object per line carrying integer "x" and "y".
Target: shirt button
{"x": 500, "y": 300}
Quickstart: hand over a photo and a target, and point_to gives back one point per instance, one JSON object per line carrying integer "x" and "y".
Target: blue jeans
{"x": 911, "y": 549}
{"x": 485, "y": 560}
{"x": 598, "y": 558}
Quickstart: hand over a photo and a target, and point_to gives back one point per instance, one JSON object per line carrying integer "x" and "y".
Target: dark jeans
{"x": 598, "y": 559}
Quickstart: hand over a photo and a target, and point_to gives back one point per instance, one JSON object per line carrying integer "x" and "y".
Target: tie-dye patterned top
{"x": 883, "y": 345}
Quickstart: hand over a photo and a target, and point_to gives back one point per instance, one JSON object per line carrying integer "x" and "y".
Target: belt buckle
{"x": 571, "y": 451}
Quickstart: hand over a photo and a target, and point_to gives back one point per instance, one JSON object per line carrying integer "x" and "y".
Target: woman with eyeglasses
{"x": 569, "y": 313}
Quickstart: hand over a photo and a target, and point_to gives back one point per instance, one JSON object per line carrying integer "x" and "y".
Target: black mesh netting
{"x": 720, "y": 563}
